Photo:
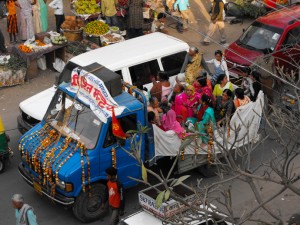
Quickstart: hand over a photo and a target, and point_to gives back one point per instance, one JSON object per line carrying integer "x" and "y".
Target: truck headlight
{"x": 68, "y": 187}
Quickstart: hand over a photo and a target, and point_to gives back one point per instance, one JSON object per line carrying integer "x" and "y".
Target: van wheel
{"x": 208, "y": 171}
{"x": 2, "y": 165}
{"x": 88, "y": 208}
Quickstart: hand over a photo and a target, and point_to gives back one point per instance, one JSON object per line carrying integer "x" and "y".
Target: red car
{"x": 277, "y": 33}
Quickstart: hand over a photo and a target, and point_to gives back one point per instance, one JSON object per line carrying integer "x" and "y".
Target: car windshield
{"x": 73, "y": 120}
{"x": 260, "y": 37}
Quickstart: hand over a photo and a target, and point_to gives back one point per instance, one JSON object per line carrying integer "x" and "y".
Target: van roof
{"x": 281, "y": 18}
{"x": 132, "y": 52}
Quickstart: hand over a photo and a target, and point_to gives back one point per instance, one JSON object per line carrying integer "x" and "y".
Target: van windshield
{"x": 260, "y": 37}
{"x": 74, "y": 120}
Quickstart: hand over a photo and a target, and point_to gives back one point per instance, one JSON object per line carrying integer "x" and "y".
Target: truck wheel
{"x": 88, "y": 208}
{"x": 2, "y": 165}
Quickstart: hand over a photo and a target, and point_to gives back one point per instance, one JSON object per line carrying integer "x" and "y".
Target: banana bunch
{"x": 87, "y": 7}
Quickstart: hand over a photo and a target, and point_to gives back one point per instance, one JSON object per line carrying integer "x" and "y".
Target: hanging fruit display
{"x": 87, "y": 7}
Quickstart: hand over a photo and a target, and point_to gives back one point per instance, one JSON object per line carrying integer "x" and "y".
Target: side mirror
{"x": 244, "y": 30}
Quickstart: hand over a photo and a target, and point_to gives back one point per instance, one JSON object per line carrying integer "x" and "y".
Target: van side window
{"x": 292, "y": 37}
{"x": 127, "y": 123}
{"x": 119, "y": 72}
{"x": 143, "y": 73}
{"x": 172, "y": 64}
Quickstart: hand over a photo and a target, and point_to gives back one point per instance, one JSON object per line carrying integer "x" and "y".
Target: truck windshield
{"x": 260, "y": 37}
{"x": 73, "y": 119}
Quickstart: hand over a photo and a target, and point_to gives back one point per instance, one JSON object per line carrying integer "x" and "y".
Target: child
{"x": 12, "y": 25}
{"x": 58, "y": 7}
{"x": 115, "y": 195}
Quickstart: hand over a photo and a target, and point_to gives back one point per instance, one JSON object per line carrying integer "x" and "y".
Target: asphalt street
{"x": 49, "y": 213}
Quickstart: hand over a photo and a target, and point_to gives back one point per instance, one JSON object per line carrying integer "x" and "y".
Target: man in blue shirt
{"x": 24, "y": 213}
{"x": 183, "y": 6}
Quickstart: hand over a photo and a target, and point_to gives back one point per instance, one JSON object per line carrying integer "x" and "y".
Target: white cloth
{"x": 58, "y": 7}
{"x": 246, "y": 117}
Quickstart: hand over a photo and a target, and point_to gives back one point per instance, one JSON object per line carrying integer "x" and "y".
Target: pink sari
{"x": 179, "y": 108}
{"x": 190, "y": 102}
{"x": 169, "y": 122}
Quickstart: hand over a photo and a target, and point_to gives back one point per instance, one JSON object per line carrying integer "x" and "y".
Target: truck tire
{"x": 2, "y": 165}
{"x": 88, "y": 208}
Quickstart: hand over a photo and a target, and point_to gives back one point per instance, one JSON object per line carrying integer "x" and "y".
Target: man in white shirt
{"x": 58, "y": 7}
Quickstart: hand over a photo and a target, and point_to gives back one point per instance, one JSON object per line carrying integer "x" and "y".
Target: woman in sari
{"x": 40, "y": 16}
{"x": 178, "y": 107}
{"x": 26, "y": 20}
{"x": 205, "y": 116}
{"x": 190, "y": 100}
{"x": 224, "y": 107}
{"x": 223, "y": 84}
{"x": 240, "y": 98}
{"x": 169, "y": 122}
{"x": 201, "y": 87}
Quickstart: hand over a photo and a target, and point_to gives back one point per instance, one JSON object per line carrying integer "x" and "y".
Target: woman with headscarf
{"x": 205, "y": 116}
{"x": 169, "y": 122}
{"x": 190, "y": 100}
{"x": 178, "y": 107}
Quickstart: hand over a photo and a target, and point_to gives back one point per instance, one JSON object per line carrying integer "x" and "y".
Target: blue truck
{"x": 64, "y": 157}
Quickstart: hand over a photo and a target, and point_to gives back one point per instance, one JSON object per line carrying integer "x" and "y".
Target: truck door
{"x": 126, "y": 165}
{"x": 288, "y": 57}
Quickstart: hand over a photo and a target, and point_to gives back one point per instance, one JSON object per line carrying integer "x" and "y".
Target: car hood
{"x": 251, "y": 55}
{"x": 37, "y": 105}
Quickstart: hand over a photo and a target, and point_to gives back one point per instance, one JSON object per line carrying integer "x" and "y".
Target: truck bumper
{"x": 23, "y": 127}
{"x": 59, "y": 198}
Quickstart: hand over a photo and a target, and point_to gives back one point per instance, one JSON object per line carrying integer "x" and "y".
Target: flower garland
{"x": 182, "y": 150}
{"x": 41, "y": 143}
{"x": 210, "y": 143}
{"x": 113, "y": 158}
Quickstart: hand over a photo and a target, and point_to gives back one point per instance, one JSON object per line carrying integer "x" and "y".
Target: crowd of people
{"x": 197, "y": 99}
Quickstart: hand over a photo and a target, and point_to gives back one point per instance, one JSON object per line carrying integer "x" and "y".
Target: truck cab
{"x": 65, "y": 156}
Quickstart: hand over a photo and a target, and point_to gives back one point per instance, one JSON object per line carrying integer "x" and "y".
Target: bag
{"x": 41, "y": 62}
{"x": 59, "y": 64}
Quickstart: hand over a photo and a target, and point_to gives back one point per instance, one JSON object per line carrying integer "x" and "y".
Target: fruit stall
{"x": 41, "y": 52}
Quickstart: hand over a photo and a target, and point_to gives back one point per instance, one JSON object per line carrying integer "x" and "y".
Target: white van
{"x": 137, "y": 60}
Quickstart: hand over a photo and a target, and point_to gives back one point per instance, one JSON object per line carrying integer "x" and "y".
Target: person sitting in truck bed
{"x": 169, "y": 122}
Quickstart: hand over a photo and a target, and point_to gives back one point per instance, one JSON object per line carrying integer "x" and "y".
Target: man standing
{"x": 115, "y": 195}
{"x": 24, "y": 213}
{"x": 183, "y": 6}
{"x": 58, "y": 7}
{"x": 217, "y": 21}
{"x": 108, "y": 8}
